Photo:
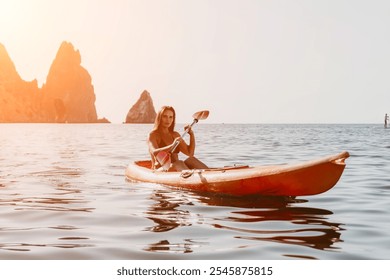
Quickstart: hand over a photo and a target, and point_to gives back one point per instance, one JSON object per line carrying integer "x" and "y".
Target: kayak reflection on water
{"x": 249, "y": 219}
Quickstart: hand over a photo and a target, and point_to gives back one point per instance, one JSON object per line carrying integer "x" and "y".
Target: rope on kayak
{"x": 187, "y": 173}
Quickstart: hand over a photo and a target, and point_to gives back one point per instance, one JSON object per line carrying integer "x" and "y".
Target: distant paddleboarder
{"x": 386, "y": 120}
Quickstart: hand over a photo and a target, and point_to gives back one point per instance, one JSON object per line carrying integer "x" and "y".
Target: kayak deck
{"x": 307, "y": 178}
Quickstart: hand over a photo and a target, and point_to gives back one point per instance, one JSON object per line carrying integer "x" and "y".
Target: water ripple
{"x": 63, "y": 195}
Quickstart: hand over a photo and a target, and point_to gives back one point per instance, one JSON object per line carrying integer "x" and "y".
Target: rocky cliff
{"x": 19, "y": 100}
{"x": 67, "y": 96}
{"x": 142, "y": 111}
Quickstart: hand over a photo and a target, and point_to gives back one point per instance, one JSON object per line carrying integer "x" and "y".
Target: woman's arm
{"x": 186, "y": 149}
{"x": 153, "y": 146}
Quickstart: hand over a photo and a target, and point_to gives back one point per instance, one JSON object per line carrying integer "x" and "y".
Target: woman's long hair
{"x": 157, "y": 121}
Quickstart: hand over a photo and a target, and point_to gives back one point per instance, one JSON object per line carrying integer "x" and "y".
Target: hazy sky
{"x": 247, "y": 61}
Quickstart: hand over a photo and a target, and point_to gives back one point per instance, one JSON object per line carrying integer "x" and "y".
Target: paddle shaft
{"x": 184, "y": 134}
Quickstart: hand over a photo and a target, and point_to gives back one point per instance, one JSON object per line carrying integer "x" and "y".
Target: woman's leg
{"x": 178, "y": 165}
{"x": 194, "y": 163}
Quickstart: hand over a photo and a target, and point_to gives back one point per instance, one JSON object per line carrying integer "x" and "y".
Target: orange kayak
{"x": 307, "y": 178}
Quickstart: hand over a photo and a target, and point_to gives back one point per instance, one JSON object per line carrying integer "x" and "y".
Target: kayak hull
{"x": 302, "y": 179}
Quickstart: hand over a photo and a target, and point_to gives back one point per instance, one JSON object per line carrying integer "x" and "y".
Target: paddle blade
{"x": 201, "y": 115}
{"x": 164, "y": 159}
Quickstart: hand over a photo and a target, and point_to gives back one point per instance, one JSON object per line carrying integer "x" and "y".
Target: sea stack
{"x": 142, "y": 111}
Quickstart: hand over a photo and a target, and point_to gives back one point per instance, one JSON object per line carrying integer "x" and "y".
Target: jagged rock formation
{"x": 19, "y": 100}
{"x": 67, "y": 96}
{"x": 142, "y": 111}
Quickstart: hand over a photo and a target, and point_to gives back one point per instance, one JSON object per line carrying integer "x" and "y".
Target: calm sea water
{"x": 63, "y": 195}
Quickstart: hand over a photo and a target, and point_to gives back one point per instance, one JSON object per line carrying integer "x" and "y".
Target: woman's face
{"x": 167, "y": 119}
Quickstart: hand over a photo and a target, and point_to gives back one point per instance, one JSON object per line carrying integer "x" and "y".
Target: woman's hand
{"x": 177, "y": 139}
{"x": 190, "y": 132}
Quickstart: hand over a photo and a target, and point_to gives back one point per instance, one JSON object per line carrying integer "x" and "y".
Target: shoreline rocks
{"x": 66, "y": 97}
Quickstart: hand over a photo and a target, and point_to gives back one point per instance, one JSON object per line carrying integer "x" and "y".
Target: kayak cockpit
{"x": 148, "y": 164}
{"x": 144, "y": 163}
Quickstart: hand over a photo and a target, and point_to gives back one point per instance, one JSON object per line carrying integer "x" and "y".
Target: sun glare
{"x": 12, "y": 14}
{"x": 8, "y": 9}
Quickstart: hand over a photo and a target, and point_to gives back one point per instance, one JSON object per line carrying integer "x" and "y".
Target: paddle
{"x": 164, "y": 158}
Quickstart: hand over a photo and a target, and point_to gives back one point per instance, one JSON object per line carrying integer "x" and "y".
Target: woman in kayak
{"x": 162, "y": 139}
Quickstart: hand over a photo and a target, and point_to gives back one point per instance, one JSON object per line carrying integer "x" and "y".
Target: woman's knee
{"x": 194, "y": 163}
{"x": 179, "y": 165}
